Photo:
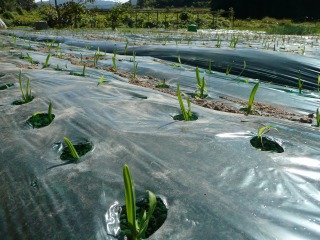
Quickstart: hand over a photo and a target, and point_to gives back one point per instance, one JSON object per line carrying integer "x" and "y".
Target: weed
{"x": 251, "y": 99}
{"x": 138, "y": 226}
{"x": 187, "y": 114}
{"x": 71, "y": 148}
{"x": 201, "y": 85}
{"x": 300, "y": 83}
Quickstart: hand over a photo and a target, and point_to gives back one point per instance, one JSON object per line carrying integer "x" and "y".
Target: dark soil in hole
{"x": 2, "y": 75}
{"x": 268, "y": 144}
{"x": 20, "y": 102}
{"x": 5, "y": 86}
{"x": 158, "y": 217}
{"x": 252, "y": 112}
{"x": 40, "y": 120}
{"x": 180, "y": 117}
{"x": 81, "y": 148}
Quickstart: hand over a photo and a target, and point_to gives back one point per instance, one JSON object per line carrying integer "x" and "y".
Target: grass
{"x": 71, "y": 148}
{"x": 251, "y": 98}
{"x": 138, "y": 226}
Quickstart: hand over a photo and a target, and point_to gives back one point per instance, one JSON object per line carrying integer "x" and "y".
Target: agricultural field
{"x": 221, "y": 125}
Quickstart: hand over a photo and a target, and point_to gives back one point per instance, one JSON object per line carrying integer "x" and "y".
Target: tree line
{"x": 293, "y": 9}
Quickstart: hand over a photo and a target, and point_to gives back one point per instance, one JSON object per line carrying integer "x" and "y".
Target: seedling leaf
{"x": 130, "y": 200}
{"x": 71, "y": 148}
{"x": 251, "y": 99}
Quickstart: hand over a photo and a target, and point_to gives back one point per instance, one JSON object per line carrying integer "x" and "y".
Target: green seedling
{"x": 244, "y": 67}
{"x": 209, "y": 68}
{"x": 29, "y": 58}
{"x": 300, "y": 83}
{"x": 201, "y": 85}
{"x": 233, "y": 42}
{"x": 264, "y": 130}
{"x": 47, "y": 61}
{"x": 228, "y": 69}
{"x": 50, "y": 112}
{"x": 218, "y": 44}
{"x": 95, "y": 59}
{"x": 318, "y": 83}
{"x": 27, "y": 95}
{"x": 162, "y": 84}
{"x": 251, "y": 99}
{"x": 84, "y": 70}
{"x": 138, "y": 226}
{"x": 135, "y": 67}
{"x": 101, "y": 79}
{"x": 81, "y": 58}
{"x": 187, "y": 114}
{"x": 126, "y": 47}
{"x": 71, "y": 148}
{"x": 165, "y": 40}
{"x": 114, "y": 62}
{"x": 179, "y": 61}
{"x": 317, "y": 118}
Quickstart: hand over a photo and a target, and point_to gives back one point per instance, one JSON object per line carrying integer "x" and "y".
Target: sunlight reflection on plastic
{"x": 113, "y": 219}
{"x": 247, "y": 134}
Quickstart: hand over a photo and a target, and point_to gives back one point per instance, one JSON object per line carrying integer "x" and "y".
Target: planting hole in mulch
{"x": 81, "y": 148}
{"x": 5, "y": 86}
{"x": 196, "y": 95}
{"x": 40, "y": 120}
{"x": 158, "y": 217}
{"x": 162, "y": 85}
{"x": 20, "y": 102}
{"x": 267, "y": 144}
{"x": 180, "y": 117}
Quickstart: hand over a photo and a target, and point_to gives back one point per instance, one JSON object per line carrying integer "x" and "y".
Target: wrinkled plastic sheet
{"x": 216, "y": 185}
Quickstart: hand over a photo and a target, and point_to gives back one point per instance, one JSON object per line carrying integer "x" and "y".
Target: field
{"x": 218, "y": 175}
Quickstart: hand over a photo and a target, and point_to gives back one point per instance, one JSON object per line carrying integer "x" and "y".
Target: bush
{"x": 8, "y": 15}
{"x": 19, "y": 10}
